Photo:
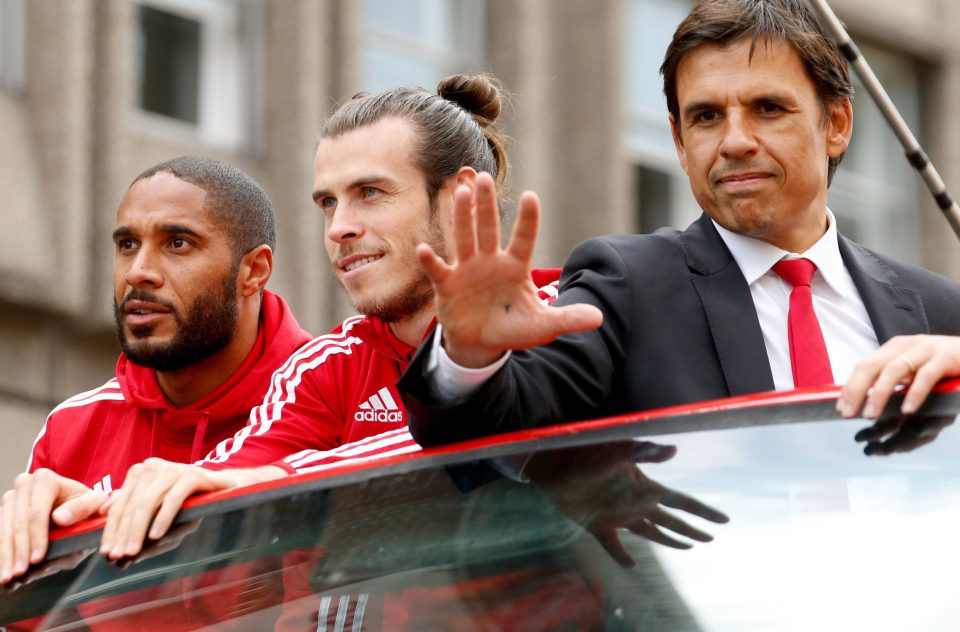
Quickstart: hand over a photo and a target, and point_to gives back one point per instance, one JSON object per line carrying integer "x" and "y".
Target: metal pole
{"x": 915, "y": 153}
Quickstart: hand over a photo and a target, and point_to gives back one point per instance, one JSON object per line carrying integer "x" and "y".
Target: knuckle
{"x": 22, "y": 480}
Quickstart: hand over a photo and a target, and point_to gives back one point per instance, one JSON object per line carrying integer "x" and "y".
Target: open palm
{"x": 485, "y": 299}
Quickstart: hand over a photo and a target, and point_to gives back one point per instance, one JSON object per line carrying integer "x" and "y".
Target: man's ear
{"x": 466, "y": 177}
{"x": 839, "y": 126}
{"x": 255, "y": 269}
{"x": 678, "y": 142}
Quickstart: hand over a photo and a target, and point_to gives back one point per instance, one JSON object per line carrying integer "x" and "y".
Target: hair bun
{"x": 477, "y": 94}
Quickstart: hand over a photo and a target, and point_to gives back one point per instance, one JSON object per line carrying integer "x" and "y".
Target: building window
{"x": 876, "y": 195}
{"x": 419, "y": 42}
{"x": 198, "y": 63}
{"x": 662, "y": 192}
{"x": 12, "y": 30}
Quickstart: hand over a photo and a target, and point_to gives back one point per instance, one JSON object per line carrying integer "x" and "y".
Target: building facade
{"x": 94, "y": 91}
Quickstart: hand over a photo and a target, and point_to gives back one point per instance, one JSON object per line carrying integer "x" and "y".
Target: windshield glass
{"x": 818, "y": 533}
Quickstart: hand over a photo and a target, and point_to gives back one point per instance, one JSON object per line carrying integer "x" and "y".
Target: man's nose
{"x": 143, "y": 270}
{"x": 739, "y": 138}
{"x": 344, "y": 225}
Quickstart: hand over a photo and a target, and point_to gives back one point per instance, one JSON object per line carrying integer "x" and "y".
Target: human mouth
{"x": 139, "y": 313}
{"x": 354, "y": 262}
{"x": 743, "y": 179}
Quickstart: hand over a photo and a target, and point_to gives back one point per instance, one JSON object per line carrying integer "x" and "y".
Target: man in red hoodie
{"x": 200, "y": 337}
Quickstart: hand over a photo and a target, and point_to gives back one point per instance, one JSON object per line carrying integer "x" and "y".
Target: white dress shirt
{"x": 847, "y": 330}
{"x": 846, "y": 326}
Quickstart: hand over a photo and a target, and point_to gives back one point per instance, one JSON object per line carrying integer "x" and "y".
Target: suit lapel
{"x": 728, "y": 308}
{"x": 893, "y": 310}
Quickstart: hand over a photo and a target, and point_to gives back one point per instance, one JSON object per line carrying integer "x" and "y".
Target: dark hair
{"x": 236, "y": 202}
{"x": 455, "y": 126}
{"x": 724, "y": 22}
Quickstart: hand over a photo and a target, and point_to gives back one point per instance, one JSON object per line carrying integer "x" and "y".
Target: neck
{"x": 192, "y": 383}
{"x": 411, "y": 329}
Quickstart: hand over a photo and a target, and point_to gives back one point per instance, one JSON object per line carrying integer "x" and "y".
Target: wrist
{"x": 470, "y": 357}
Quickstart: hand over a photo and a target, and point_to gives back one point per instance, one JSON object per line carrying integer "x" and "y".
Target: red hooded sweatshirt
{"x": 95, "y": 437}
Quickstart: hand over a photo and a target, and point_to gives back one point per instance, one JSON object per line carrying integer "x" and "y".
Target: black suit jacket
{"x": 679, "y": 326}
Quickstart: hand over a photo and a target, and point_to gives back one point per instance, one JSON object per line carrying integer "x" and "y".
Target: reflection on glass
{"x": 817, "y": 530}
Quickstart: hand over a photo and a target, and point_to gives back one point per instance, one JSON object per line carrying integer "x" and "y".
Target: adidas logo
{"x": 379, "y": 407}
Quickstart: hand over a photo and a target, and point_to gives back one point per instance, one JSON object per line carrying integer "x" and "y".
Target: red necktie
{"x": 808, "y": 351}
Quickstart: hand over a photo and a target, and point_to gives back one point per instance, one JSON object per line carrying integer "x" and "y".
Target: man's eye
{"x": 707, "y": 116}
{"x": 769, "y": 108}
{"x": 328, "y": 203}
{"x": 179, "y": 242}
{"x": 369, "y": 191}
{"x": 126, "y": 244}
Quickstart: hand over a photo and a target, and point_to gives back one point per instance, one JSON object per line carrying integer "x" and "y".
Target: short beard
{"x": 418, "y": 293}
{"x": 209, "y": 327}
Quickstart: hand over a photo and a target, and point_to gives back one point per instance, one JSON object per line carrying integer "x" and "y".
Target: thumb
{"x": 650, "y": 452}
{"x": 571, "y": 319}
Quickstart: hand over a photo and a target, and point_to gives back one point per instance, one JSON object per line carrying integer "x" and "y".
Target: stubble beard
{"x": 418, "y": 292}
{"x": 208, "y": 327}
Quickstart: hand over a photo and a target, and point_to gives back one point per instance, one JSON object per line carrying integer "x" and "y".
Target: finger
{"x": 44, "y": 491}
{"x": 669, "y": 521}
{"x": 923, "y": 382}
{"x": 435, "y": 267}
{"x": 650, "y": 452}
{"x": 570, "y": 319}
{"x": 487, "y": 215}
{"x": 21, "y": 523}
{"x": 609, "y": 539}
{"x": 895, "y": 372}
{"x": 6, "y": 536}
{"x": 689, "y": 504}
{"x": 523, "y": 237}
{"x": 864, "y": 374}
{"x": 464, "y": 235}
{"x": 79, "y": 508}
{"x": 110, "y": 544}
{"x": 651, "y": 532}
{"x": 141, "y": 511}
{"x": 879, "y": 429}
{"x": 188, "y": 485}
{"x": 914, "y": 433}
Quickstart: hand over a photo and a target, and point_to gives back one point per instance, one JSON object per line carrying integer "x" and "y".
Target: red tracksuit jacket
{"x": 95, "y": 437}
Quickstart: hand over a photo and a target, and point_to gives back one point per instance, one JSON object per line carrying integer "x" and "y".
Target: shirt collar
{"x": 756, "y": 257}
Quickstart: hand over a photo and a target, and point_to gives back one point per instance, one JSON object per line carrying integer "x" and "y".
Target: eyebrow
{"x": 171, "y": 229}
{"x": 699, "y": 106}
{"x": 356, "y": 184}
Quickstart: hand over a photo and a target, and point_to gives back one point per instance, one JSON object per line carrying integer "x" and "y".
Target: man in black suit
{"x": 759, "y": 101}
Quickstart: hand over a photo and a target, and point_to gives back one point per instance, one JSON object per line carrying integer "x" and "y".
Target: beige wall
{"x": 72, "y": 140}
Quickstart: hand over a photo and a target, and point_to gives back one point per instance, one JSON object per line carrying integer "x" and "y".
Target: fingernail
{"x": 36, "y": 555}
{"x": 20, "y": 567}
{"x": 63, "y": 515}
{"x": 845, "y": 408}
{"x": 870, "y": 411}
{"x": 909, "y": 407}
